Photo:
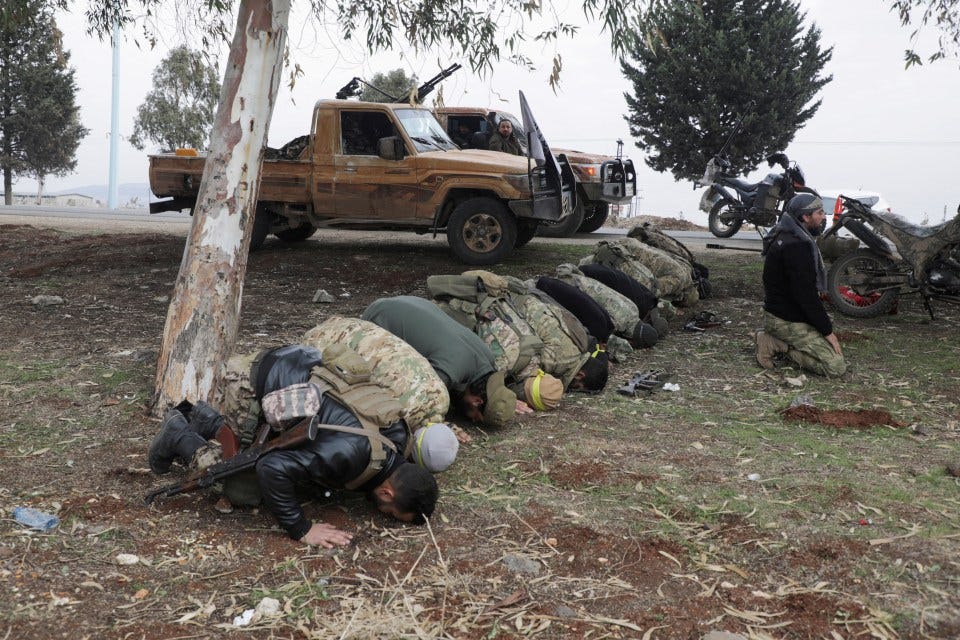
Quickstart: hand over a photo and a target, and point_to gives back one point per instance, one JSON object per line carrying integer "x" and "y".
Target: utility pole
{"x": 114, "y": 121}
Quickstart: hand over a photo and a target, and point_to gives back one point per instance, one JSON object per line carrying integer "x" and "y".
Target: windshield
{"x": 424, "y": 130}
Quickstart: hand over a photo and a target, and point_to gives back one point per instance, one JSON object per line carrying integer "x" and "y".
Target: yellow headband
{"x": 535, "y": 392}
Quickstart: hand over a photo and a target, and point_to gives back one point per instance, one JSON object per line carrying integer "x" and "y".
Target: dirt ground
{"x": 668, "y": 515}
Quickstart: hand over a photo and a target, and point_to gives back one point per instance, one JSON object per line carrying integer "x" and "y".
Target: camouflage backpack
{"x": 491, "y": 315}
{"x": 346, "y": 377}
{"x": 650, "y": 235}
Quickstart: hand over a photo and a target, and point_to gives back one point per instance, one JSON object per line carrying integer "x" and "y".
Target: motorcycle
{"x": 899, "y": 257}
{"x": 730, "y": 201}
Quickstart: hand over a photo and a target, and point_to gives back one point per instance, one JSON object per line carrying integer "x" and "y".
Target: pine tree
{"x": 179, "y": 111}
{"x": 40, "y": 126}
{"x": 698, "y": 65}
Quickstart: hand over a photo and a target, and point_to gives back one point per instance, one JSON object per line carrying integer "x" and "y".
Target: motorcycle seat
{"x": 915, "y": 230}
{"x": 744, "y": 187}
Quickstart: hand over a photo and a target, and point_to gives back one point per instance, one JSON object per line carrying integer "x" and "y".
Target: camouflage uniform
{"x": 807, "y": 346}
{"x": 672, "y": 276}
{"x": 514, "y": 344}
{"x": 239, "y": 405}
{"x": 622, "y": 310}
{"x": 423, "y": 397}
{"x": 618, "y": 255}
{"x": 561, "y": 356}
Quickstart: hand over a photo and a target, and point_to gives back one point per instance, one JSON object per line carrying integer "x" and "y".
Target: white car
{"x": 831, "y": 201}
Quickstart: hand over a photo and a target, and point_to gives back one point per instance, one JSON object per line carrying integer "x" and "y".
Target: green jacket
{"x": 506, "y": 145}
{"x": 458, "y": 356}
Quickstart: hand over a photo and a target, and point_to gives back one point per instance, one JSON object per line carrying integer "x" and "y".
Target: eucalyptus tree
{"x": 942, "y": 15}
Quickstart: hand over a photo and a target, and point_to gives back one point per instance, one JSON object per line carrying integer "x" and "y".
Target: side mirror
{"x": 391, "y": 148}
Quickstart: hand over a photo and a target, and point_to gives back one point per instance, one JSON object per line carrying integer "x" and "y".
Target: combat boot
{"x": 175, "y": 440}
{"x": 205, "y": 420}
{"x": 767, "y": 348}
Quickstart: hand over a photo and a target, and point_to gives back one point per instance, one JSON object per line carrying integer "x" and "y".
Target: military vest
{"x": 489, "y": 313}
{"x": 345, "y": 377}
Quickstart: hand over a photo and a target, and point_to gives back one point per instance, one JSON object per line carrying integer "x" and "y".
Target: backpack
{"x": 623, "y": 257}
{"x": 345, "y": 377}
{"x": 648, "y": 234}
{"x": 395, "y": 365}
{"x": 492, "y": 316}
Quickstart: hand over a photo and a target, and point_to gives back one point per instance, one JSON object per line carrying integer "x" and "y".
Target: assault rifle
{"x": 304, "y": 431}
{"x": 646, "y": 380}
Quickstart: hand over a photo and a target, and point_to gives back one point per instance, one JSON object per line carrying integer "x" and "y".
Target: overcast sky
{"x": 880, "y": 127}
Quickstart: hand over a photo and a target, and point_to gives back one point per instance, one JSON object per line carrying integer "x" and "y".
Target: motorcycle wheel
{"x": 850, "y": 289}
{"x": 723, "y": 220}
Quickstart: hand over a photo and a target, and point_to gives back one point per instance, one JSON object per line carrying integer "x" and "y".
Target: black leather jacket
{"x": 329, "y": 462}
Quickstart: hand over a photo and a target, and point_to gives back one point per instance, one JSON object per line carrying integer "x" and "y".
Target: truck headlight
{"x": 587, "y": 172}
{"x": 519, "y": 181}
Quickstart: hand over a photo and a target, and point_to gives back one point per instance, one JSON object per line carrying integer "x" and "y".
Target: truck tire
{"x": 567, "y": 227}
{"x": 526, "y": 230}
{"x": 481, "y": 231}
{"x": 593, "y": 220}
{"x": 261, "y": 227}
{"x": 297, "y": 234}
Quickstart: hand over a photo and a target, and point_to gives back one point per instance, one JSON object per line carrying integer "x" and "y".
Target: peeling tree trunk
{"x": 204, "y": 311}
{"x": 41, "y": 183}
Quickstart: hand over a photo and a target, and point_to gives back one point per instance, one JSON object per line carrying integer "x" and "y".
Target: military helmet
{"x": 803, "y": 204}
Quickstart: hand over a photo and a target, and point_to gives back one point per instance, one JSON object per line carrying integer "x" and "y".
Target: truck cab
{"x": 389, "y": 166}
{"x": 601, "y": 180}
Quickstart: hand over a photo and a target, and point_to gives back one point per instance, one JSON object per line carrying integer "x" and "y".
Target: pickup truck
{"x": 369, "y": 165}
{"x": 601, "y": 180}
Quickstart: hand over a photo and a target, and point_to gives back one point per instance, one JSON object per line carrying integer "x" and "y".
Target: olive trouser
{"x": 807, "y": 347}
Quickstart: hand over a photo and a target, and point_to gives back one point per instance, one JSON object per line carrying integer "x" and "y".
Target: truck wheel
{"x": 567, "y": 227}
{"x": 261, "y": 227}
{"x": 526, "y": 230}
{"x": 593, "y": 220}
{"x": 297, "y": 234}
{"x": 481, "y": 231}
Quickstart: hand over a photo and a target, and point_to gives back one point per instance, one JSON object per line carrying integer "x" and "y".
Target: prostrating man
{"x": 366, "y": 454}
{"x": 459, "y": 357}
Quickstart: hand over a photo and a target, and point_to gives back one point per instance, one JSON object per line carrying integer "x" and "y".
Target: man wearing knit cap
{"x": 795, "y": 323}
{"x": 459, "y": 357}
{"x": 435, "y": 447}
{"x": 350, "y": 456}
